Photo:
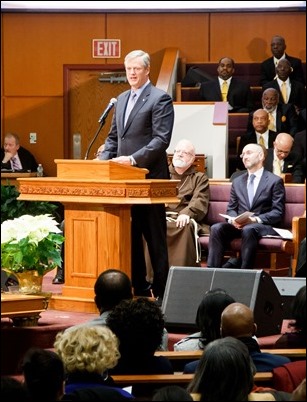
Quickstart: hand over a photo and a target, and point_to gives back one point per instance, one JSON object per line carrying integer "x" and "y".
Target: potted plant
{"x": 31, "y": 247}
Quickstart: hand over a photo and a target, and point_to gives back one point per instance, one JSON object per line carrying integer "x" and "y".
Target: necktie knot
{"x": 261, "y": 142}
{"x": 224, "y": 91}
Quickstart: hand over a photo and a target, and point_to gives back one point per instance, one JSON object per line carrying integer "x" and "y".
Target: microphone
{"x": 107, "y": 110}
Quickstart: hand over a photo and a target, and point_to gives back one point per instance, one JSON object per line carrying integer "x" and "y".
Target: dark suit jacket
{"x": 268, "y": 71}
{"x": 239, "y": 94}
{"x": 251, "y": 138}
{"x": 292, "y": 164}
{"x": 286, "y": 119}
{"x": 269, "y": 200}
{"x": 299, "y": 147}
{"x": 27, "y": 160}
{"x": 147, "y": 133}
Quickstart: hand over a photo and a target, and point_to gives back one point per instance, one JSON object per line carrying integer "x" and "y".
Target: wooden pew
{"x": 180, "y": 358}
{"x": 196, "y": 354}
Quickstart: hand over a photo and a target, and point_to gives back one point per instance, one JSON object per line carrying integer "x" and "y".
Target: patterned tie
{"x": 276, "y": 167}
{"x": 284, "y": 91}
{"x": 224, "y": 91}
{"x": 261, "y": 140}
{"x": 130, "y": 105}
{"x": 15, "y": 164}
{"x": 250, "y": 189}
{"x": 272, "y": 122}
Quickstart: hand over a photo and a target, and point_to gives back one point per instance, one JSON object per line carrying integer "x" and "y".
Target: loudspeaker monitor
{"x": 186, "y": 286}
{"x": 288, "y": 288}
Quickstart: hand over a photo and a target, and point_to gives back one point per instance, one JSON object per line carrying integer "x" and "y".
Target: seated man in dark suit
{"x": 278, "y": 47}
{"x": 258, "y": 191}
{"x": 228, "y": 88}
{"x": 283, "y": 117}
{"x": 299, "y": 147}
{"x": 14, "y": 157}
{"x": 280, "y": 159}
{"x": 294, "y": 91}
{"x": 260, "y": 134}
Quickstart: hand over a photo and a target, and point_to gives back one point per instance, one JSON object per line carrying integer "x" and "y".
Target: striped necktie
{"x": 15, "y": 163}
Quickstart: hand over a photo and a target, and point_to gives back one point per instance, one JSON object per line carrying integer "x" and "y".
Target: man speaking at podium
{"x": 140, "y": 133}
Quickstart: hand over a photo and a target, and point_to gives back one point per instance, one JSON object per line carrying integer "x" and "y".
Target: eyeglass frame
{"x": 184, "y": 153}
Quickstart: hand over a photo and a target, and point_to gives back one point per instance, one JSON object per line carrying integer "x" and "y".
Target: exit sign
{"x": 106, "y": 48}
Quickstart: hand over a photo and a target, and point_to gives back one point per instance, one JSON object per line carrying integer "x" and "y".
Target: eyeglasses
{"x": 184, "y": 153}
{"x": 279, "y": 151}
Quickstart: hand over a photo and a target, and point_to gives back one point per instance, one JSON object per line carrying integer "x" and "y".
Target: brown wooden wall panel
{"x": 44, "y": 116}
{"x": 35, "y": 47}
{"x": 247, "y": 36}
{"x": 152, "y": 32}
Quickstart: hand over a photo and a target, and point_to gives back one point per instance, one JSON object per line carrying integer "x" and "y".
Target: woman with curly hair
{"x": 88, "y": 353}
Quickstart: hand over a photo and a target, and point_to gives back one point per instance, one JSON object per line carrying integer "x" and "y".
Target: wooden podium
{"x": 97, "y": 196}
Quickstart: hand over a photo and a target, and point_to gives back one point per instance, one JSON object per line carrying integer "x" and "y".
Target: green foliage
{"x": 12, "y": 208}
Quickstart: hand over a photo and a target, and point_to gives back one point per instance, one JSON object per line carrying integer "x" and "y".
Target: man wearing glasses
{"x": 280, "y": 159}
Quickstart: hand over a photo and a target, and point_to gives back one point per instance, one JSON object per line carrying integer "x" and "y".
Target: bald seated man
{"x": 281, "y": 159}
{"x": 237, "y": 320}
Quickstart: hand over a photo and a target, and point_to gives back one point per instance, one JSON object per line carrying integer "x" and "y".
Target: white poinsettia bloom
{"x": 31, "y": 242}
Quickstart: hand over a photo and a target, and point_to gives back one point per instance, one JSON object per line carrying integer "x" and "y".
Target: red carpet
{"x": 15, "y": 341}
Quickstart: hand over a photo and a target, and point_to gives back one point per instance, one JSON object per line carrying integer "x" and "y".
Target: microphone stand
{"x": 94, "y": 139}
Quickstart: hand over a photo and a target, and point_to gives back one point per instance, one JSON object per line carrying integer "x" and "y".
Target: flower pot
{"x": 29, "y": 281}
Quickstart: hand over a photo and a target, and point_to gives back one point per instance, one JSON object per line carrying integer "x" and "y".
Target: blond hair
{"x": 91, "y": 349}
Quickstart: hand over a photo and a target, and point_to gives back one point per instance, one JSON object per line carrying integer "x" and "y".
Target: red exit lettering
{"x": 106, "y": 48}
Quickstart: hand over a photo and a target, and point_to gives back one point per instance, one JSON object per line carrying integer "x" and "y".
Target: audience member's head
{"x": 44, "y": 376}
{"x": 270, "y": 99}
{"x": 172, "y": 393}
{"x": 138, "y": 324}
{"x": 261, "y": 121}
{"x": 13, "y": 390}
{"x": 208, "y": 316}
{"x": 237, "y": 320}
{"x": 226, "y": 68}
{"x": 278, "y": 46}
{"x": 299, "y": 310}
{"x": 184, "y": 155}
{"x": 111, "y": 287}
{"x": 225, "y": 372}
{"x": 283, "y": 69}
{"x": 282, "y": 145}
{"x": 87, "y": 349}
{"x": 253, "y": 156}
{"x": 11, "y": 143}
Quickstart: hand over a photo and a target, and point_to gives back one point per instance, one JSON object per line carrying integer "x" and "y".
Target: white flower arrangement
{"x": 31, "y": 243}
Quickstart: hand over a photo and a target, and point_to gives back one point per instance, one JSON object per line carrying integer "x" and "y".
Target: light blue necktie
{"x": 130, "y": 105}
{"x": 250, "y": 189}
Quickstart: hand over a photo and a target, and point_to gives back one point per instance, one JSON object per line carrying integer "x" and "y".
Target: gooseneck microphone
{"x": 101, "y": 121}
{"x": 107, "y": 110}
